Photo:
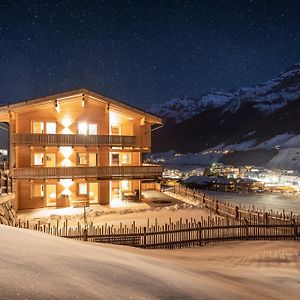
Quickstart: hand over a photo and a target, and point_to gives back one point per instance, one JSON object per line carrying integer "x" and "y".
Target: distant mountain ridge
{"x": 266, "y": 97}
{"x": 265, "y": 116}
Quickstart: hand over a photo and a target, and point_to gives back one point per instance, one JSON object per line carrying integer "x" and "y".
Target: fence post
{"x": 200, "y": 233}
{"x": 203, "y": 199}
{"x": 247, "y": 229}
{"x": 295, "y": 231}
{"x": 217, "y": 206}
{"x": 266, "y": 218}
{"x": 145, "y": 237}
{"x": 237, "y": 214}
{"x": 85, "y": 234}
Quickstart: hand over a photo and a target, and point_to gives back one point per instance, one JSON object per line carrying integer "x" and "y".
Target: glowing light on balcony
{"x": 66, "y": 122}
{"x": 66, "y": 152}
{"x": 66, "y": 183}
{"x": 66, "y": 162}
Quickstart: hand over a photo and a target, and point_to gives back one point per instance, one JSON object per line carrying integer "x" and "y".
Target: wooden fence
{"x": 180, "y": 234}
{"x": 235, "y": 212}
{"x": 234, "y": 223}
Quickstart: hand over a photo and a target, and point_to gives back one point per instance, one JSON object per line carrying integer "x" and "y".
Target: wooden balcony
{"x": 72, "y": 140}
{"x": 113, "y": 172}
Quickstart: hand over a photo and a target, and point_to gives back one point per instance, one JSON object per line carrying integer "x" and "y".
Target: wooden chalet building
{"x": 77, "y": 146}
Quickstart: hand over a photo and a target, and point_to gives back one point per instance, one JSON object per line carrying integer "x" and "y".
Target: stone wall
{"x": 8, "y": 214}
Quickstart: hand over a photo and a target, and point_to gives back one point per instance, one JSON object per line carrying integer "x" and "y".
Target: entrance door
{"x": 93, "y": 192}
{"x": 50, "y": 160}
{"x": 51, "y": 194}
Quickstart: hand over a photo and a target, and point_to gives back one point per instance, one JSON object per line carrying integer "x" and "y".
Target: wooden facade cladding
{"x": 72, "y": 140}
{"x": 80, "y": 135}
{"x": 109, "y": 172}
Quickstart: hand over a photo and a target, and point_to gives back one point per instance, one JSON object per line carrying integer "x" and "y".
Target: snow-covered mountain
{"x": 261, "y": 118}
{"x": 266, "y": 97}
{"x": 185, "y": 107}
{"x": 270, "y": 95}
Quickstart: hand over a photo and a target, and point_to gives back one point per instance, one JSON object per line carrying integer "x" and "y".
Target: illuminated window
{"x": 125, "y": 185}
{"x": 115, "y": 159}
{"x": 38, "y": 127}
{"x": 92, "y": 159}
{"x": 115, "y": 130}
{"x": 38, "y": 159}
{"x": 38, "y": 190}
{"x": 82, "y": 128}
{"x": 82, "y": 188}
{"x": 82, "y": 158}
{"x": 51, "y": 128}
{"x": 93, "y": 129}
{"x": 125, "y": 159}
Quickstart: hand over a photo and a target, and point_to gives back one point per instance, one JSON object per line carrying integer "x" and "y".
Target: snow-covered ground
{"x": 276, "y": 202}
{"x": 127, "y": 213}
{"x": 34, "y": 265}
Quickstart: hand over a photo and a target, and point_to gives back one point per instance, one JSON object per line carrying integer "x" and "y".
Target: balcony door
{"x": 51, "y": 160}
{"x": 51, "y": 194}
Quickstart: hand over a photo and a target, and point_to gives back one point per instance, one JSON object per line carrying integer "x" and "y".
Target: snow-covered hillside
{"x": 34, "y": 266}
{"x": 287, "y": 145}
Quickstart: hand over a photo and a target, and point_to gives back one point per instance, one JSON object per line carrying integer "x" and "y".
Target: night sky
{"x": 143, "y": 52}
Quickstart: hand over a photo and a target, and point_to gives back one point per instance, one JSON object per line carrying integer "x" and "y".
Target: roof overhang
{"x": 67, "y": 96}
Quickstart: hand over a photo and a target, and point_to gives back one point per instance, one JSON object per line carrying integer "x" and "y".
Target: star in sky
{"x": 144, "y": 52}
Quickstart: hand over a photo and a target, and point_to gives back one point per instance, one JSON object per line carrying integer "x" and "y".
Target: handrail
{"x": 109, "y": 172}
{"x": 73, "y": 139}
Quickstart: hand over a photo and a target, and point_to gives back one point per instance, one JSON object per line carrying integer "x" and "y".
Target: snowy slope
{"x": 34, "y": 265}
{"x": 288, "y": 158}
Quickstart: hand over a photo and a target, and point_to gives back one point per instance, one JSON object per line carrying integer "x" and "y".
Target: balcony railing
{"x": 113, "y": 172}
{"x": 73, "y": 139}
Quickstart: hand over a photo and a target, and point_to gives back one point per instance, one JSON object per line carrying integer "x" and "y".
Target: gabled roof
{"x": 112, "y": 103}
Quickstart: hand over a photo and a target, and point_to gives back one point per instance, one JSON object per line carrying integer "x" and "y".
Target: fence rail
{"x": 138, "y": 172}
{"x": 180, "y": 234}
{"x": 235, "y": 212}
{"x": 73, "y": 139}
